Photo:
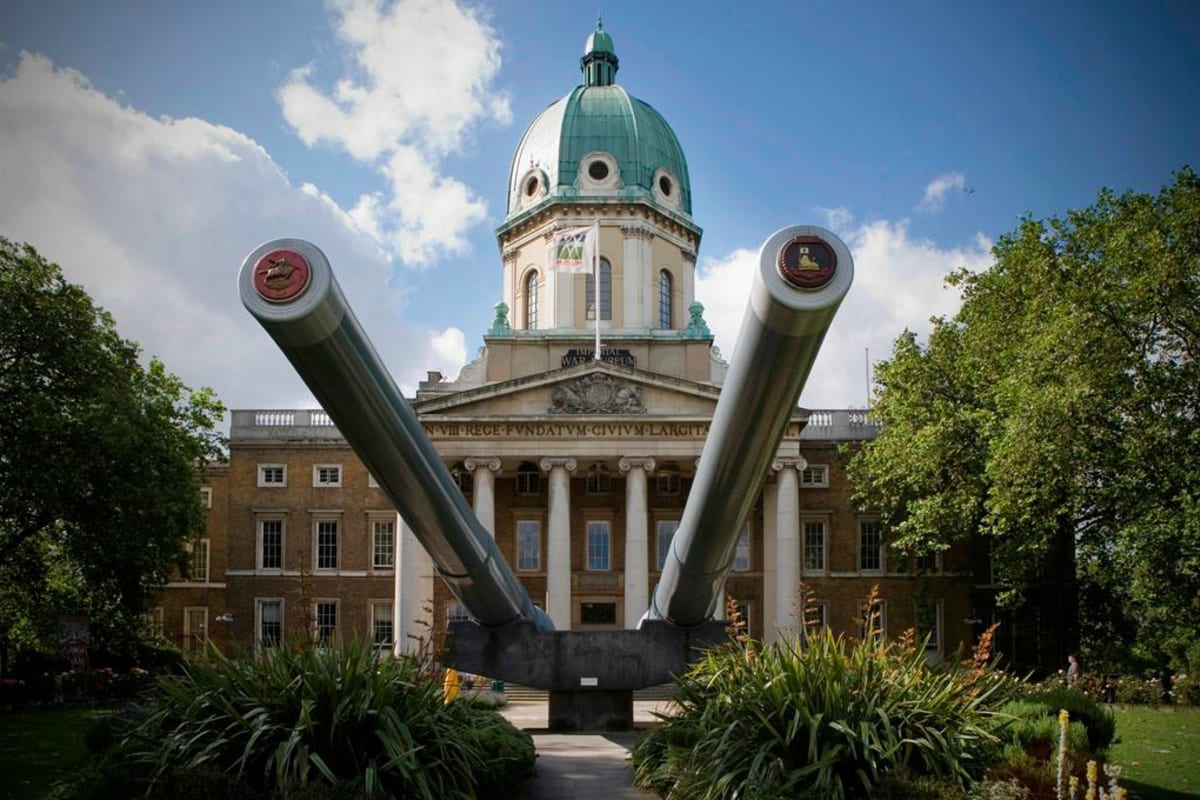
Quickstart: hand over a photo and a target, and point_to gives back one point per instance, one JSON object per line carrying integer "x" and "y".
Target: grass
{"x": 1159, "y": 751}
{"x": 39, "y": 747}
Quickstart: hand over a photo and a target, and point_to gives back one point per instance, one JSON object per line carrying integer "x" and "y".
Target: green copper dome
{"x": 599, "y": 142}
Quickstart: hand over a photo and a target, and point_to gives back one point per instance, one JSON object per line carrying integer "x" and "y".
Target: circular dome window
{"x": 531, "y": 186}
{"x": 598, "y": 170}
{"x": 664, "y": 185}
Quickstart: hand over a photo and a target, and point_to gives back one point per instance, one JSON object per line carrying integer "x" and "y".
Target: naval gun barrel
{"x": 803, "y": 273}
{"x": 289, "y": 287}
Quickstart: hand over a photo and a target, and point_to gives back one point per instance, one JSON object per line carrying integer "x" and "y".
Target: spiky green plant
{"x": 296, "y": 717}
{"x": 820, "y": 718}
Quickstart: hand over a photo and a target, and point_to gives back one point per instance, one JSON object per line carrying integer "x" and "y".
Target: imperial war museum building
{"x": 579, "y": 467}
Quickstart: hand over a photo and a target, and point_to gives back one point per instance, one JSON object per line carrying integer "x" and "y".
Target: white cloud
{"x": 836, "y": 219}
{"x": 898, "y": 284}
{"x": 423, "y": 78}
{"x": 153, "y": 218}
{"x": 935, "y": 193}
{"x": 449, "y": 351}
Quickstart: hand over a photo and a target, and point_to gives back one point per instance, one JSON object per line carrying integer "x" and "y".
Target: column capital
{"x": 550, "y": 463}
{"x": 797, "y": 463}
{"x": 629, "y": 462}
{"x": 482, "y": 462}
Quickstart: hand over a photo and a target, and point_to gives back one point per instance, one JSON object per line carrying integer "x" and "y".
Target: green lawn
{"x": 39, "y": 747}
{"x": 1159, "y": 752}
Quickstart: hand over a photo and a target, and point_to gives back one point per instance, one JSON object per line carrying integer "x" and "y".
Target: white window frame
{"x": 862, "y": 550}
{"x": 663, "y": 548}
{"x": 263, "y": 483}
{"x": 804, "y": 549}
{"x": 372, "y": 609}
{"x": 323, "y": 480}
{"x": 375, "y": 522}
{"x": 206, "y": 496}
{"x": 259, "y": 602}
{"x": 743, "y": 554}
{"x": 337, "y": 543}
{"x": 815, "y": 476}
{"x": 537, "y": 523}
{"x": 155, "y": 621}
{"x": 605, "y": 527}
{"x": 204, "y": 546}
{"x": 337, "y": 619}
{"x": 259, "y": 544}
{"x": 371, "y": 482}
{"x": 934, "y": 646}
{"x": 882, "y": 624}
{"x": 822, "y": 607}
{"x": 188, "y": 633}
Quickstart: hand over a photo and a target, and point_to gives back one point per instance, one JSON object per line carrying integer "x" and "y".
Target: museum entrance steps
{"x": 523, "y": 694}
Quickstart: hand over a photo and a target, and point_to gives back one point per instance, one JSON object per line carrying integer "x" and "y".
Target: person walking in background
{"x": 1072, "y": 671}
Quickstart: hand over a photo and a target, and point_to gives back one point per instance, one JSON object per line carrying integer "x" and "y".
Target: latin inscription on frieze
{"x": 567, "y": 430}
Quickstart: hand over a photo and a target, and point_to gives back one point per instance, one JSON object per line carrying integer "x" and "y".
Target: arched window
{"x": 605, "y": 292}
{"x": 664, "y": 300}
{"x": 531, "y": 300}
{"x": 529, "y": 480}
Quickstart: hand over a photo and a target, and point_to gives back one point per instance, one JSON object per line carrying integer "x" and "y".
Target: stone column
{"x": 414, "y": 590}
{"x": 637, "y": 537}
{"x": 558, "y": 557}
{"x": 787, "y": 542}
{"x": 483, "y": 472}
{"x": 769, "y": 634}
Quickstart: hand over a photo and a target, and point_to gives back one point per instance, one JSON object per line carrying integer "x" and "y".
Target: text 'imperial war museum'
{"x": 579, "y": 465}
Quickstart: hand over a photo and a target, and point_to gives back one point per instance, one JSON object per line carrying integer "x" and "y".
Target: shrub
{"x": 1030, "y": 725}
{"x": 1185, "y": 690}
{"x": 510, "y": 756}
{"x": 1138, "y": 691}
{"x": 828, "y": 718}
{"x": 298, "y": 722}
{"x": 1101, "y": 723}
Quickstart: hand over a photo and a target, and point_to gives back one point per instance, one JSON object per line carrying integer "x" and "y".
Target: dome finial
{"x": 599, "y": 62}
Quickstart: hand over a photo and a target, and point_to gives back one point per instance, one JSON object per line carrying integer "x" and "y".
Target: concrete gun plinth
{"x": 591, "y": 675}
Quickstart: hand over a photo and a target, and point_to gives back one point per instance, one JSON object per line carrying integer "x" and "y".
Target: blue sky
{"x": 148, "y": 146}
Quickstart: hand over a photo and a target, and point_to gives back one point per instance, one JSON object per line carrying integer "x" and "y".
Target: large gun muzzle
{"x": 289, "y": 287}
{"x": 803, "y": 273}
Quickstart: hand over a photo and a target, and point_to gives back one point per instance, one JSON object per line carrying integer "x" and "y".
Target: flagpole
{"x": 596, "y": 282}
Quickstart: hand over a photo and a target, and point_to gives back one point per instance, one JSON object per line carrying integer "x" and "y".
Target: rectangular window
{"x": 199, "y": 561}
{"x": 326, "y": 620}
{"x": 383, "y": 544}
{"x": 327, "y": 544}
{"x": 814, "y": 546}
{"x": 270, "y": 544}
{"x": 814, "y": 476}
{"x": 929, "y": 562}
{"x": 206, "y": 496}
{"x": 929, "y": 623}
{"x": 327, "y": 475}
{"x": 745, "y": 616}
{"x": 270, "y": 623}
{"x": 870, "y": 546}
{"x": 455, "y": 612}
{"x": 599, "y": 481}
{"x": 665, "y": 532}
{"x": 816, "y": 617}
{"x": 529, "y": 545}
{"x": 154, "y": 622}
{"x": 741, "y": 556}
{"x": 272, "y": 475}
{"x": 195, "y": 630}
{"x": 599, "y": 538}
{"x": 667, "y": 484}
{"x": 381, "y": 623}
{"x": 872, "y": 620}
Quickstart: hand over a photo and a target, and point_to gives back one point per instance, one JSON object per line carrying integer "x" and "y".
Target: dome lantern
{"x": 599, "y": 62}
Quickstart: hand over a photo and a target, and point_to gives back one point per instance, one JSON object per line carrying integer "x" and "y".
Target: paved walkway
{"x": 581, "y": 766}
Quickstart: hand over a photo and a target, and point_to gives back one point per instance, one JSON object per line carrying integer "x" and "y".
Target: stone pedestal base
{"x": 596, "y": 710}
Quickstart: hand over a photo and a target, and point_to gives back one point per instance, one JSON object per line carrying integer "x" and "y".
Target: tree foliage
{"x": 1062, "y": 402}
{"x": 100, "y": 457}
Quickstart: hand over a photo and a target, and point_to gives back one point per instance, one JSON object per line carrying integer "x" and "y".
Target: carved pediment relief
{"x": 596, "y": 393}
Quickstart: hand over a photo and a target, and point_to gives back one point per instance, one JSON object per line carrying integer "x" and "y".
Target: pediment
{"x": 594, "y": 389}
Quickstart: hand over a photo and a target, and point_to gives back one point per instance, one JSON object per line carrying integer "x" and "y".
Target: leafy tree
{"x": 100, "y": 459}
{"x": 1058, "y": 415}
